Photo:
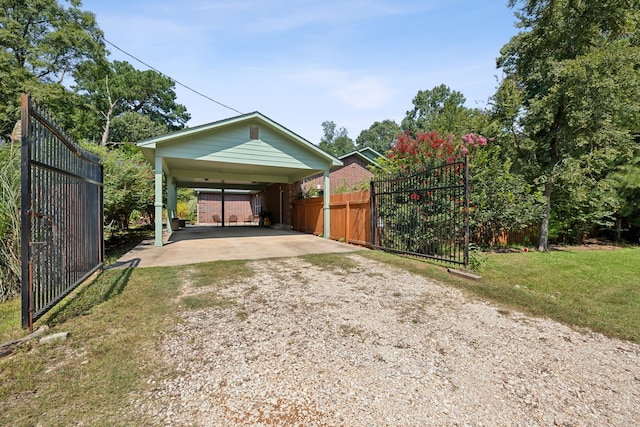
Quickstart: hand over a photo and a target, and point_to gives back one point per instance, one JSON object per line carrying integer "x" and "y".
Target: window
{"x": 257, "y": 205}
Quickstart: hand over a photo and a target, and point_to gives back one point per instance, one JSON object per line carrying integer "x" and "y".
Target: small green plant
{"x": 220, "y": 273}
{"x": 341, "y": 188}
{"x": 337, "y": 263}
{"x": 308, "y": 191}
{"x": 207, "y": 300}
{"x": 352, "y": 331}
{"x": 477, "y": 258}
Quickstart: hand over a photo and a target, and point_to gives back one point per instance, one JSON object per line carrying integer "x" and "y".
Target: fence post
{"x": 346, "y": 226}
{"x": 466, "y": 210}
{"x": 372, "y": 212}
{"x": 304, "y": 215}
{"x": 25, "y": 213}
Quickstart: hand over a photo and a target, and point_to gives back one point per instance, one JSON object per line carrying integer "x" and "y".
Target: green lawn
{"x": 596, "y": 289}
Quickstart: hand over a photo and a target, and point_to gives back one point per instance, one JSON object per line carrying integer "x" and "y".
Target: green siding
{"x": 232, "y": 145}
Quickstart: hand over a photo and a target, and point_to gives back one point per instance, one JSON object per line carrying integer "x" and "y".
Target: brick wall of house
{"x": 210, "y": 204}
{"x": 271, "y": 202}
{"x": 349, "y": 176}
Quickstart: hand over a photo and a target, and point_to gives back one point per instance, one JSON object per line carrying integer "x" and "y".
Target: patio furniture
{"x": 216, "y": 219}
{"x": 250, "y": 220}
{"x": 233, "y": 218}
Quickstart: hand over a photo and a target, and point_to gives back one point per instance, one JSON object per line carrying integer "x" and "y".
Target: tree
{"x": 128, "y": 184}
{"x": 132, "y": 127}
{"x": 576, "y": 64}
{"x": 380, "y": 136}
{"x": 441, "y": 109}
{"x": 117, "y": 89}
{"x": 626, "y": 181}
{"x": 42, "y": 43}
{"x": 335, "y": 142}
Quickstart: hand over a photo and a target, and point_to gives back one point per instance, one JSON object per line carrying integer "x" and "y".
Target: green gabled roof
{"x": 368, "y": 154}
{"x": 153, "y": 143}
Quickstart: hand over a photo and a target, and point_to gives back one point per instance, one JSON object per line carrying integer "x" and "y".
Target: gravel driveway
{"x": 377, "y": 346}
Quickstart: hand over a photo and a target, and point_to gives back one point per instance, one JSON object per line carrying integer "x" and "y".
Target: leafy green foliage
{"x": 380, "y": 136}
{"x": 335, "y": 142}
{"x": 10, "y": 262}
{"x": 117, "y": 90}
{"x": 43, "y": 42}
{"x": 442, "y": 109}
{"x": 128, "y": 184}
{"x": 575, "y": 70}
{"x": 500, "y": 200}
{"x": 132, "y": 127}
{"x": 626, "y": 181}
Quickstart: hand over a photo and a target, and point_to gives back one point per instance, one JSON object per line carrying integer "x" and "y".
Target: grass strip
{"x": 114, "y": 324}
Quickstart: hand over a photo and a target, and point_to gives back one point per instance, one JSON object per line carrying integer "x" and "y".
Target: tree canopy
{"x": 442, "y": 109}
{"x": 576, "y": 65}
{"x": 335, "y": 141}
{"x": 118, "y": 88}
{"x": 54, "y": 51}
{"x": 380, "y": 136}
{"x": 43, "y": 43}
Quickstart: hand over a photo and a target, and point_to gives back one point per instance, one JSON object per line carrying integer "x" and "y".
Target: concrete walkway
{"x": 193, "y": 244}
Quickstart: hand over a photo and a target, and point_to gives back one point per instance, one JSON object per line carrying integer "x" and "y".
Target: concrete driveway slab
{"x": 194, "y": 244}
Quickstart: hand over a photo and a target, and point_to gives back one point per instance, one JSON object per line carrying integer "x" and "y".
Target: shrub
{"x": 10, "y": 263}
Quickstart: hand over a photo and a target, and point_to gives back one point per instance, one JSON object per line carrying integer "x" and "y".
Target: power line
{"x": 169, "y": 77}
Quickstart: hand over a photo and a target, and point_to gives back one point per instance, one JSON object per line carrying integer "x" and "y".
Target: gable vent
{"x": 253, "y": 132}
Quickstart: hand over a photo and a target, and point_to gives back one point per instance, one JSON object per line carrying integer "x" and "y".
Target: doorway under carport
{"x": 249, "y": 152}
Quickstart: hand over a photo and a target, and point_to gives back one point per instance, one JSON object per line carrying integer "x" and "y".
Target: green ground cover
{"x": 115, "y": 330}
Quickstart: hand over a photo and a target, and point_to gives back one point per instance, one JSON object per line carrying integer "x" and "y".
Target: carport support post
{"x": 158, "y": 202}
{"x": 326, "y": 207}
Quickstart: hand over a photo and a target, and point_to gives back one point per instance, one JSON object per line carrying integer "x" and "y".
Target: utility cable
{"x": 171, "y": 78}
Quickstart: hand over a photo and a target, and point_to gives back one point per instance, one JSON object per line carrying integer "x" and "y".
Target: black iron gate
{"x": 424, "y": 214}
{"x": 61, "y": 214}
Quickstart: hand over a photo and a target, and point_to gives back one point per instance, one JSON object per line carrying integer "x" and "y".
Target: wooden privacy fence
{"x": 350, "y": 217}
{"x": 351, "y": 221}
{"x": 527, "y": 236}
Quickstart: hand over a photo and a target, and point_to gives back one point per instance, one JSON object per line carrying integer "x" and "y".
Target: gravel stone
{"x": 377, "y": 346}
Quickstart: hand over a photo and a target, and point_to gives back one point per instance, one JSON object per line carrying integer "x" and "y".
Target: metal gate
{"x": 61, "y": 214}
{"x": 424, "y": 214}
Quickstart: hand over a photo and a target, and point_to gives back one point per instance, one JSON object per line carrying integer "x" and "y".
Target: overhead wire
{"x": 171, "y": 78}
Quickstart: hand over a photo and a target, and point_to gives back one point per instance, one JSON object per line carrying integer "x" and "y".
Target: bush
{"x": 10, "y": 262}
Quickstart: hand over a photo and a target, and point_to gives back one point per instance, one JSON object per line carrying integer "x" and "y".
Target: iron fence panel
{"x": 61, "y": 210}
{"x": 424, "y": 214}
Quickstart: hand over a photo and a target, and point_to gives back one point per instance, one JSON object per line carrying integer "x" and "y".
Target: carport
{"x": 246, "y": 152}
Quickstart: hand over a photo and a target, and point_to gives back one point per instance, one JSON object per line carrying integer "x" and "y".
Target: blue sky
{"x": 301, "y": 62}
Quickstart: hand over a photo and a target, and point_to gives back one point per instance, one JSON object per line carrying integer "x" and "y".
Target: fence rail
{"x": 61, "y": 214}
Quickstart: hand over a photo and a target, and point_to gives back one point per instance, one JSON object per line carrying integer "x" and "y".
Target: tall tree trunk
{"x": 107, "y": 115}
{"x": 544, "y": 226}
{"x": 618, "y": 229}
{"x": 107, "y": 125}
